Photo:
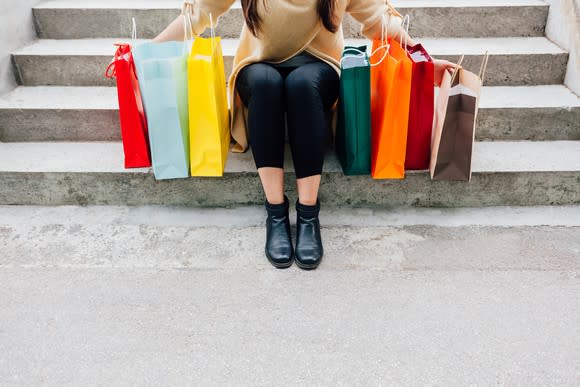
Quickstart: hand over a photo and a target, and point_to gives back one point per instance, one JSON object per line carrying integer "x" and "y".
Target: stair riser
{"x": 87, "y": 70}
{"x": 517, "y": 70}
{"x": 541, "y": 124}
{"x": 59, "y": 125}
{"x": 537, "y": 124}
{"x": 486, "y": 189}
{"x": 432, "y": 22}
{"x": 467, "y": 22}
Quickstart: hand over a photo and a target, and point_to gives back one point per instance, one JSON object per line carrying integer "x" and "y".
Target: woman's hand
{"x": 440, "y": 67}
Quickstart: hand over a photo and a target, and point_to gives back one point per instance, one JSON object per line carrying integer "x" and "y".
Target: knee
{"x": 299, "y": 85}
{"x": 261, "y": 79}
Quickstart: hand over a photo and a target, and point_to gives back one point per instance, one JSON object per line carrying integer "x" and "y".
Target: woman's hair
{"x": 325, "y": 10}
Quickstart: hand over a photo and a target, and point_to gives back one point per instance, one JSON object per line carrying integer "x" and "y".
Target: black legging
{"x": 306, "y": 93}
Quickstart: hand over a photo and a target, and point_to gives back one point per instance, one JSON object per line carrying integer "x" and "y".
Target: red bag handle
{"x": 110, "y": 71}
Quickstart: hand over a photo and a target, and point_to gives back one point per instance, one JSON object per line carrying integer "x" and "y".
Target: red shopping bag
{"x": 131, "y": 112}
{"x": 421, "y": 110}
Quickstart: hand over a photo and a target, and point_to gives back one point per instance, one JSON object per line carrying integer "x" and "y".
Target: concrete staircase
{"x": 138, "y": 292}
{"x": 60, "y": 139}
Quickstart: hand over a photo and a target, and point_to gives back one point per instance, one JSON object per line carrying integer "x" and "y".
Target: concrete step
{"x": 393, "y": 240}
{"x": 505, "y": 173}
{"x": 513, "y": 61}
{"x": 69, "y": 19}
{"x": 51, "y": 113}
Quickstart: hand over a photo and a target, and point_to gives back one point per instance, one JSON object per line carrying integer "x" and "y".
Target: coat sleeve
{"x": 370, "y": 14}
{"x": 199, "y": 12}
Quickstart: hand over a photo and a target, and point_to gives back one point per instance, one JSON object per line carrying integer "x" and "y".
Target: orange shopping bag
{"x": 390, "y": 96}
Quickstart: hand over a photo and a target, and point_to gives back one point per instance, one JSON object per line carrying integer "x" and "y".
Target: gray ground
{"x": 153, "y": 295}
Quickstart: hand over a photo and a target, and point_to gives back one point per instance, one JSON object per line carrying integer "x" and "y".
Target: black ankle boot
{"x": 278, "y": 240}
{"x": 308, "y": 241}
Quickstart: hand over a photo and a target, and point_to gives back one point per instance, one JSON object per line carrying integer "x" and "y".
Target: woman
{"x": 287, "y": 63}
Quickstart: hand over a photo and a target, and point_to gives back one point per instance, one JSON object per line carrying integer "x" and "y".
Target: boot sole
{"x": 305, "y": 266}
{"x": 278, "y": 265}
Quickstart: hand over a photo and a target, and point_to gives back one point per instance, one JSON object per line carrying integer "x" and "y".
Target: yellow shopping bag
{"x": 209, "y": 131}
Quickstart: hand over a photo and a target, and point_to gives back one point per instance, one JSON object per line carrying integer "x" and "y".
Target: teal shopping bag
{"x": 162, "y": 73}
{"x": 353, "y": 131}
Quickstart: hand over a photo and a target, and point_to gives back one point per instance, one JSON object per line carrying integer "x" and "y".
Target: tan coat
{"x": 289, "y": 27}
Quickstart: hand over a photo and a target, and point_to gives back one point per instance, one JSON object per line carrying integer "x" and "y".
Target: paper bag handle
{"x": 459, "y": 63}
{"x": 483, "y": 68}
{"x": 359, "y": 54}
{"x": 187, "y": 25}
{"x": 384, "y": 40}
{"x": 407, "y": 23}
{"x": 212, "y": 32}
{"x": 133, "y": 31}
{"x": 111, "y": 71}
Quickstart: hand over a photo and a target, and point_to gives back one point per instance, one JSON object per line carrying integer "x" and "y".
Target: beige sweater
{"x": 289, "y": 27}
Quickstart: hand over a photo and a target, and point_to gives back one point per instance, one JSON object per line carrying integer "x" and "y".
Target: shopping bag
{"x": 162, "y": 73}
{"x": 209, "y": 130}
{"x": 131, "y": 112}
{"x": 421, "y": 110}
{"x": 390, "y": 95}
{"x": 353, "y": 131}
{"x": 454, "y": 124}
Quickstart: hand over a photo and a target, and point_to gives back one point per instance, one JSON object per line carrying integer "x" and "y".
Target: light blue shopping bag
{"x": 162, "y": 73}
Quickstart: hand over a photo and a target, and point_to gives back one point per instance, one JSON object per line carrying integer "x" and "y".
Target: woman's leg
{"x": 311, "y": 90}
{"x": 261, "y": 88}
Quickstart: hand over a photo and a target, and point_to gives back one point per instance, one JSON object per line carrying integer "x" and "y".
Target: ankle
{"x": 311, "y": 210}
{"x": 276, "y": 202}
{"x": 307, "y": 203}
{"x": 278, "y": 207}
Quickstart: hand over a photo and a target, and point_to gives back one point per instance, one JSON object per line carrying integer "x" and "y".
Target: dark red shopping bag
{"x": 421, "y": 109}
{"x": 131, "y": 112}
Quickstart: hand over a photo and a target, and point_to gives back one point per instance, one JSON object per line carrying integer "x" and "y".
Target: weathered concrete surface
{"x": 485, "y": 189}
{"x": 513, "y": 61}
{"x": 59, "y": 125}
{"x": 148, "y": 296}
{"x": 535, "y": 124}
{"x": 62, "y": 70}
{"x": 252, "y": 216}
{"x": 60, "y": 114}
{"x": 401, "y": 239}
{"x": 535, "y": 113}
{"x": 267, "y": 327}
{"x": 91, "y": 114}
{"x": 90, "y": 19}
{"x": 92, "y": 173}
{"x": 16, "y": 30}
{"x": 563, "y": 27}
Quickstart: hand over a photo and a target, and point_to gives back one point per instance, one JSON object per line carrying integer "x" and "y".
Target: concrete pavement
{"x": 175, "y": 296}
{"x": 270, "y": 327}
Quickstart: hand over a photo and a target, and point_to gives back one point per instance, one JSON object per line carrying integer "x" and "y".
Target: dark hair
{"x": 325, "y": 10}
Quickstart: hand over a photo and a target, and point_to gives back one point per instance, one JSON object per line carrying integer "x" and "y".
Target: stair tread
{"x": 436, "y": 46}
{"x": 60, "y": 97}
{"x": 547, "y": 96}
{"x": 107, "y": 157}
{"x": 98, "y": 97}
{"x": 112, "y": 4}
{"x": 176, "y": 4}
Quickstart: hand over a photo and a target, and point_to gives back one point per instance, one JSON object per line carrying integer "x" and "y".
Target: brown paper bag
{"x": 454, "y": 124}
